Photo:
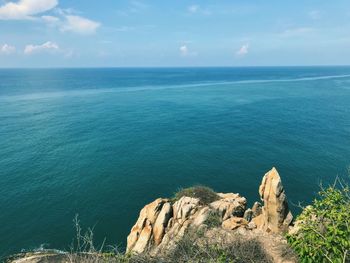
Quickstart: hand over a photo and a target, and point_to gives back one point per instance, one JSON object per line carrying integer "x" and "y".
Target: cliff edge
{"x": 163, "y": 223}
{"x": 200, "y": 225}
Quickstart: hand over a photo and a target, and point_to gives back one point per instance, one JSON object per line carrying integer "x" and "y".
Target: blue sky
{"x": 113, "y": 33}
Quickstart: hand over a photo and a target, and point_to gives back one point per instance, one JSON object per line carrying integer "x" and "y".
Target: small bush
{"x": 324, "y": 228}
{"x": 205, "y": 194}
{"x": 214, "y": 219}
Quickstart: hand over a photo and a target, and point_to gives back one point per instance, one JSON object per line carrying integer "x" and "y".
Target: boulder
{"x": 234, "y": 223}
{"x": 248, "y": 214}
{"x": 230, "y": 205}
{"x": 202, "y": 216}
{"x": 257, "y": 209}
{"x": 185, "y": 207}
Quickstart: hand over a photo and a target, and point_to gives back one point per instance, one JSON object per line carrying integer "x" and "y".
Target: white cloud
{"x": 64, "y": 19}
{"x": 243, "y": 50}
{"x": 184, "y": 50}
{"x": 47, "y": 46}
{"x": 25, "y": 9}
{"x": 80, "y": 25}
{"x": 7, "y": 49}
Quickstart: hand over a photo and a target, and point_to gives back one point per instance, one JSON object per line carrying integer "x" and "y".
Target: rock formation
{"x": 162, "y": 223}
{"x": 150, "y": 226}
{"x": 275, "y": 215}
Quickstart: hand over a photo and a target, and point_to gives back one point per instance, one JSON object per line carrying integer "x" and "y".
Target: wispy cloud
{"x": 197, "y": 9}
{"x": 243, "y": 50}
{"x": 124, "y": 28}
{"x": 50, "y": 19}
{"x": 299, "y": 31}
{"x": 7, "y": 49}
{"x": 135, "y": 7}
{"x": 193, "y": 8}
{"x": 80, "y": 25}
{"x": 45, "y": 47}
{"x": 315, "y": 14}
{"x": 25, "y": 9}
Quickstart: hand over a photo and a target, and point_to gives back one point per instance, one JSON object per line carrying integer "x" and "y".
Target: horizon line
{"x": 174, "y": 67}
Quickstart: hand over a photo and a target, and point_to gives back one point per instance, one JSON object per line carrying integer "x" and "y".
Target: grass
{"x": 205, "y": 194}
{"x": 241, "y": 250}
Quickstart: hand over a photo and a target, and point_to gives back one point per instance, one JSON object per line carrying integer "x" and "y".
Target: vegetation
{"x": 205, "y": 194}
{"x": 324, "y": 227}
{"x": 214, "y": 219}
{"x": 240, "y": 250}
{"x": 188, "y": 249}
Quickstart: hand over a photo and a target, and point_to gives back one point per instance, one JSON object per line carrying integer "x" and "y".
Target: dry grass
{"x": 198, "y": 249}
{"x": 188, "y": 249}
{"x": 205, "y": 194}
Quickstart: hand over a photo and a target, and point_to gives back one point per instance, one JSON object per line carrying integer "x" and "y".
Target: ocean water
{"x": 102, "y": 143}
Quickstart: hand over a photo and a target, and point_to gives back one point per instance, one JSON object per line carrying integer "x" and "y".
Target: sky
{"x": 164, "y": 33}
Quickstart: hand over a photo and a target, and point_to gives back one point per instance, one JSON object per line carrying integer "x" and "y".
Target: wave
{"x": 86, "y": 92}
{"x": 288, "y": 80}
{"x": 42, "y": 248}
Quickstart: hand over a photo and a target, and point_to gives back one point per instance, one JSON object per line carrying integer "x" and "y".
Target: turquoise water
{"x": 104, "y": 142}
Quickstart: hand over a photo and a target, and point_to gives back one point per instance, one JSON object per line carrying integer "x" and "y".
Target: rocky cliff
{"x": 213, "y": 221}
{"x": 162, "y": 223}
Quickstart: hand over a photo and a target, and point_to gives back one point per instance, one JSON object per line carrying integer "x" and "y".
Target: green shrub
{"x": 205, "y": 194}
{"x": 324, "y": 228}
{"x": 214, "y": 219}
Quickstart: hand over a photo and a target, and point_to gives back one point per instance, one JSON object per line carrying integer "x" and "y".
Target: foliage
{"x": 205, "y": 194}
{"x": 214, "y": 219}
{"x": 324, "y": 228}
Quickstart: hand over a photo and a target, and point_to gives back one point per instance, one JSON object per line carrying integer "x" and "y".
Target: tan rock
{"x": 234, "y": 223}
{"x": 259, "y": 221}
{"x": 231, "y": 196}
{"x": 248, "y": 215}
{"x": 141, "y": 233}
{"x": 201, "y": 217}
{"x": 144, "y": 238}
{"x": 257, "y": 209}
{"x": 230, "y": 205}
{"x": 184, "y": 207}
{"x": 276, "y": 216}
{"x": 251, "y": 225}
{"x": 162, "y": 222}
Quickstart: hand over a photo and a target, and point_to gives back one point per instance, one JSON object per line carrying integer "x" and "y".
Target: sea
{"x": 101, "y": 143}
